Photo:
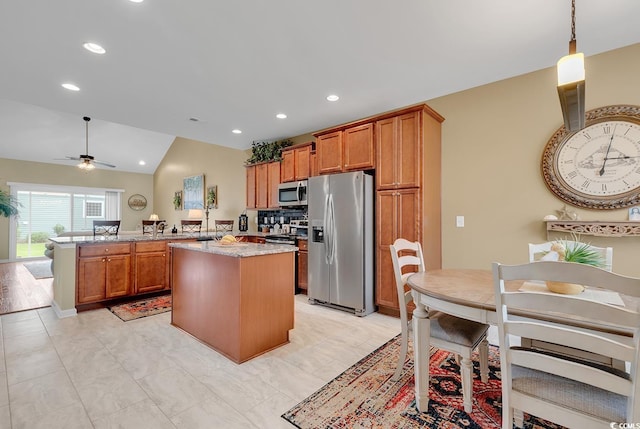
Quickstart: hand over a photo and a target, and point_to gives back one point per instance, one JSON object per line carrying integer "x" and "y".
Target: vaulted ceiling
{"x": 236, "y": 64}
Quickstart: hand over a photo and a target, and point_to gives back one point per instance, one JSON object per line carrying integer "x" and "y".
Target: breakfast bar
{"x": 237, "y": 298}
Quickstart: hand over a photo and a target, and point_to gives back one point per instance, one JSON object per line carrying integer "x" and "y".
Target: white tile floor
{"x": 95, "y": 371}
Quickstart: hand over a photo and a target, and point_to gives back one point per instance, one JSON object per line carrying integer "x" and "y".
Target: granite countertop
{"x": 238, "y": 250}
{"x": 88, "y": 239}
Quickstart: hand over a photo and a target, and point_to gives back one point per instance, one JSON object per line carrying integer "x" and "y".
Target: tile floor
{"x": 95, "y": 371}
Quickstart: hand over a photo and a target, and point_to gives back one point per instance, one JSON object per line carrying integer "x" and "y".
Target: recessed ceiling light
{"x": 141, "y": 162}
{"x": 136, "y": 1}
{"x": 70, "y": 87}
{"x": 94, "y": 47}
{"x": 236, "y": 131}
{"x": 333, "y": 97}
{"x": 281, "y": 116}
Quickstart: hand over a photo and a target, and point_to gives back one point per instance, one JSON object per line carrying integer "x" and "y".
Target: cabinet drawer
{"x": 150, "y": 246}
{"x": 104, "y": 249}
{"x": 303, "y": 245}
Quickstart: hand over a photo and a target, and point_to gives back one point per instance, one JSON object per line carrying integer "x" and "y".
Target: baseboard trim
{"x": 63, "y": 313}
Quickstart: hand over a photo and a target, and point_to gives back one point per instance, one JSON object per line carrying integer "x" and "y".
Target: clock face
{"x": 599, "y": 166}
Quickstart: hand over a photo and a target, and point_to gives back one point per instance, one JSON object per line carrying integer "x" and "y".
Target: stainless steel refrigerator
{"x": 341, "y": 241}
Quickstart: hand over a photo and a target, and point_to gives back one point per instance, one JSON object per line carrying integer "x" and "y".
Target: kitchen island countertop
{"x": 238, "y": 250}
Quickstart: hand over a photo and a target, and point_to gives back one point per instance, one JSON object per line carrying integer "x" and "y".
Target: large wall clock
{"x": 597, "y": 167}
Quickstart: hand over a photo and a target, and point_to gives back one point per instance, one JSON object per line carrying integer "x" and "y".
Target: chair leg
{"x": 483, "y": 348}
{"x": 467, "y": 382}
{"x": 518, "y": 417}
{"x": 403, "y": 354}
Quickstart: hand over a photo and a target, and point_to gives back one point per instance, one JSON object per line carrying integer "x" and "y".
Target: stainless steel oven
{"x": 292, "y": 194}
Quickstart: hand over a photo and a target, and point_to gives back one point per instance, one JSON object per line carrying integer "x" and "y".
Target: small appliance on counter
{"x": 243, "y": 222}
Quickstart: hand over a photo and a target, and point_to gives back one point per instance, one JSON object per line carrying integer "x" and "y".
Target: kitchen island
{"x": 238, "y": 299}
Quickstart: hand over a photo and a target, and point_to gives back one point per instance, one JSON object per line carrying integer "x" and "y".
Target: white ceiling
{"x": 236, "y": 64}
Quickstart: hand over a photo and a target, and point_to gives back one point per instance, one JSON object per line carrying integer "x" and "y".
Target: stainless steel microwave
{"x": 292, "y": 194}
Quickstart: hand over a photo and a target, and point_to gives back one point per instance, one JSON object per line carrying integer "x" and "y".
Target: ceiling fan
{"x": 87, "y": 162}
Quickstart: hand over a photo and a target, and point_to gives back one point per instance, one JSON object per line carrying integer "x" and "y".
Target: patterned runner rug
{"x": 364, "y": 396}
{"x": 143, "y": 308}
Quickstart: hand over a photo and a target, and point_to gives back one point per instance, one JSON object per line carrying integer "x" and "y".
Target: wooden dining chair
{"x": 224, "y": 227}
{"x": 147, "y": 226}
{"x": 537, "y": 251}
{"x": 105, "y": 227}
{"x": 450, "y": 333}
{"x": 565, "y": 389}
{"x": 190, "y": 226}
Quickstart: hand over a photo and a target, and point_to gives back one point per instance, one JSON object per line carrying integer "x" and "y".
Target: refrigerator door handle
{"x": 326, "y": 229}
{"x": 332, "y": 230}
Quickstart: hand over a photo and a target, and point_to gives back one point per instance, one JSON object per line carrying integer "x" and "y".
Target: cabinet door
{"x": 251, "y": 187}
{"x": 150, "y": 272}
{"x": 399, "y": 216}
{"x": 303, "y": 259}
{"x": 91, "y": 282}
{"x": 262, "y": 186}
{"x": 118, "y": 279}
{"x": 313, "y": 164}
{"x": 273, "y": 169}
{"x": 358, "y": 148}
{"x": 287, "y": 168}
{"x": 386, "y": 153}
{"x": 329, "y": 153}
{"x": 302, "y": 163}
{"x": 408, "y": 151}
{"x": 386, "y": 234}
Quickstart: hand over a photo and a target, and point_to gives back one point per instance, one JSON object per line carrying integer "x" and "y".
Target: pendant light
{"x": 571, "y": 82}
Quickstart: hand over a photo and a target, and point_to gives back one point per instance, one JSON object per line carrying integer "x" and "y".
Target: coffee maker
{"x": 243, "y": 222}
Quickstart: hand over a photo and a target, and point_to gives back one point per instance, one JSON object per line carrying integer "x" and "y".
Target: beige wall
{"x": 36, "y": 172}
{"x": 221, "y": 166}
{"x": 492, "y": 142}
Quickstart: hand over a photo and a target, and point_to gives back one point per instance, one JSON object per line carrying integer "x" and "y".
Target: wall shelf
{"x": 595, "y": 228}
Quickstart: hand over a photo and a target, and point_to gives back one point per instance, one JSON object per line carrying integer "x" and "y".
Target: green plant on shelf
{"x": 262, "y": 151}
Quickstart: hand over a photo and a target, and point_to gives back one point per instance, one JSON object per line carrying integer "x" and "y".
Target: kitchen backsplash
{"x": 281, "y": 217}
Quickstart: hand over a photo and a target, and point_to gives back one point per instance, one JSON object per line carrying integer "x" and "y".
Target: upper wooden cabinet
{"x": 399, "y": 152}
{"x": 262, "y": 185}
{"x": 347, "y": 149}
{"x": 295, "y": 163}
{"x": 251, "y": 186}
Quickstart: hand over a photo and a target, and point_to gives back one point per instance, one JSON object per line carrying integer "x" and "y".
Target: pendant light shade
{"x": 571, "y": 82}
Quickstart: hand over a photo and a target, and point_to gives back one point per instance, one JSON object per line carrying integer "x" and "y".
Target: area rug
{"x": 364, "y": 396}
{"x": 39, "y": 269}
{"x": 143, "y": 308}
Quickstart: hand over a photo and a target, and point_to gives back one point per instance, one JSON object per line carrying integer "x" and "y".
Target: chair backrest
{"x": 106, "y": 227}
{"x": 147, "y": 226}
{"x": 536, "y": 251}
{"x": 224, "y": 227}
{"x": 605, "y": 338}
{"x": 191, "y": 225}
{"x": 405, "y": 253}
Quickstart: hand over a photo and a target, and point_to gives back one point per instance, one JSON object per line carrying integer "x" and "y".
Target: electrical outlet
{"x": 460, "y": 221}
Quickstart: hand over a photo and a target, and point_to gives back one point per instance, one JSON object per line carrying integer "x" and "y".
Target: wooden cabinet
{"x": 273, "y": 180}
{"x": 251, "y": 186}
{"x": 262, "y": 185}
{"x": 150, "y": 273}
{"x": 398, "y": 152}
{"x": 348, "y": 149}
{"x": 398, "y": 214}
{"x": 295, "y": 163}
{"x": 313, "y": 164}
{"x": 408, "y": 186}
{"x": 103, "y": 271}
{"x": 303, "y": 266}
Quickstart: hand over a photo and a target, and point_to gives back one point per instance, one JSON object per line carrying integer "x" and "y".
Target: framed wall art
{"x": 177, "y": 200}
{"x": 212, "y": 197}
{"x": 193, "y": 192}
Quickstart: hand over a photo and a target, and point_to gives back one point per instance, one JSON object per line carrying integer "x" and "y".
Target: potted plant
{"x": 8, "y": 204}
{"x": 573, "y": 251}
{"x": 267, "y": 151}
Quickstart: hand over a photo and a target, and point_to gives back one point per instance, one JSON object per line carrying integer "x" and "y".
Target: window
{"x": 93, "y": 209}
{"x": 47, "y": 211}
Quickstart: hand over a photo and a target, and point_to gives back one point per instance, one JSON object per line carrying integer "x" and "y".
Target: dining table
{"x": 469, "y": 294}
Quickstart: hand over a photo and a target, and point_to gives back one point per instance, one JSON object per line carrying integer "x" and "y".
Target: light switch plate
{"x": 460, "y": 221}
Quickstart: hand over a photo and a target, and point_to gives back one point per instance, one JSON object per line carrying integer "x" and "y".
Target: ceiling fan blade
{"x": 106, "y": 164}
{"x": 68, "y": 158}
